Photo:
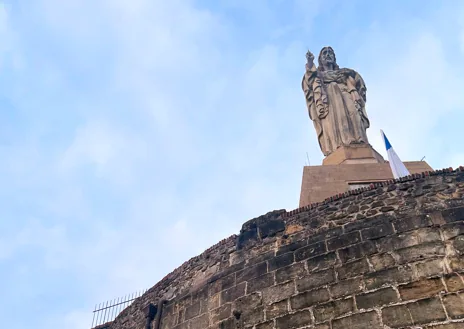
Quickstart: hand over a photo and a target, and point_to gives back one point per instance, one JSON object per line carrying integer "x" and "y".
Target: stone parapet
{"x": 386, "y": 256}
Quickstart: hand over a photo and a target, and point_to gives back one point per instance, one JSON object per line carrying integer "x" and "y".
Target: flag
{"x": 398, "y": 168}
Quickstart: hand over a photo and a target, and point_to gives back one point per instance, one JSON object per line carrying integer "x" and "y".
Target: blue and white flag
{"x": 398, "y": 168}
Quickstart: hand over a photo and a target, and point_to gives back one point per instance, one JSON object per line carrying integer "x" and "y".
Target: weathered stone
{"x": 310, "y": 251}
{"x": 377, "y": 231}
{"x": 226, "y": 324}
{"x": 293, "y": 228}
{"x": 382, "y": 261}
{"x": 204, "y": 305}
{"x": 353, "y": 269}
{"x": 290, "y": 272}
{"x": 458, "y": 244}
{"x": 325, "y": 325}
{"x": 277, "y": 293}
{"x": 227, "y": 271}
{"x": 252, "y": 272}
{"x": 346, "y": 287}
{"x": 408, "y": 239}
{"x": 185, "y": 325}
{"x": 358, "y": 321}
{"x": 322, "y": 262}
{"x": 357, "y": 251}
{"x": 221, "y": 313}
{"x": 372, "y": 212}
{"x": 429, "y": 268}
{"x": 316, "y": 279}
{"x": 291, "y": 247}
{"x": 222, "y": 284}
{"x": 420, "y": 252}
{"x": 454, "y": 282}
{"x": 265, "y": 325}
{"x": 453, "y": 325}
{"x": 379, "y": 297}
{"x": 277, "y": 309}
{"x": 260, "y": 282}
{"x": 309, "y": 298}
{"x": 427, "y": 310}
{"x": 352, "y": 209}
{"x": 333, "y": 309}
{"x": 328, "y": 234}
{"x": 387, "y": 208}
{"x": 454, "y": 214}
{"x": 270, "y": 227}
{"x": 436, "y": 217}
{"x": 200, "y": 295}
{"x": 260, "y": 259}
{"x": 260, "y": 252}
{"x": 377, "y": 204}
{"x": 180, "y": 317}
{"x": 281, "y": 261}
{"x": 233, "y": 293}
{"x": 247, "y": 236}
{"x": 252, "y": 316}
{"x": 294, "y": 320}
{"x": 457, "y": 264}
{"x": 249, "y": 301}
{"x": 452, "y": 230}
{"x": 454, "y": 304}
{"x": 343, "y": 241}
{"x": 192, "y": 311}
{"x": 201, "y": 321}
{"x": 214, "y": 301}
{"x": 421, "y": 289}
{"x": 399, "y": 274}
{"x": 396, "y": 316}
{"x": 411, "y": 223}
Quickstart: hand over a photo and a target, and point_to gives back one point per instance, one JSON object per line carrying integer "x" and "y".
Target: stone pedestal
{"x": 353, "y": 154}
{"x": 321, "y": 182}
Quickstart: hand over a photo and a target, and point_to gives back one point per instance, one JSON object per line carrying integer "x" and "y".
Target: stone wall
{"x": 388, "y": 256}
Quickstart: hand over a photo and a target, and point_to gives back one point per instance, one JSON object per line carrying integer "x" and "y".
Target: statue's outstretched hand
{"x": 309, "y": 60}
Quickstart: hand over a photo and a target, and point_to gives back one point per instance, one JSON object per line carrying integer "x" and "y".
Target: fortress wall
{"x": 390, "y": 256}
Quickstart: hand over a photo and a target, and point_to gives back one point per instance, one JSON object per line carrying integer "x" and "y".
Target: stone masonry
{"x": 386, "y": 256}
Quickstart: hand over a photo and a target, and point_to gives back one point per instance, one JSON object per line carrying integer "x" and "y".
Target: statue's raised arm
{"x": 315, "y": 100}
{"x": 335, "y": 99}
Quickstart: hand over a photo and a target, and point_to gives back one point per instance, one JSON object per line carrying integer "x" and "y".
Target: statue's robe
{"x": 336, "y": 105}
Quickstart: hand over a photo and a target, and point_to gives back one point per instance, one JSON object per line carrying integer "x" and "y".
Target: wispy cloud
{"x": 134, "y": 135}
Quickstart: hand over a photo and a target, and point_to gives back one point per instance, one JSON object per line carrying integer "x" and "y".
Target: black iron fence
{"x": 107, "y": 311}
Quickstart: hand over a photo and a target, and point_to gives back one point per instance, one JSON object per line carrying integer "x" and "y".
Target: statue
{"x": 336, "y": 102}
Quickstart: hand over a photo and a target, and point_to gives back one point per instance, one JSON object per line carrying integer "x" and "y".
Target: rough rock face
{"x": 390, "y": 256}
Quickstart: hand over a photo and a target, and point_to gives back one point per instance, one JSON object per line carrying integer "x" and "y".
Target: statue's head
{"x": 327, "y": 59}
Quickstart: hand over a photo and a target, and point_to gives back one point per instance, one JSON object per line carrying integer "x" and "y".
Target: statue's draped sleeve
{"x": 312, "y": 89}
{"x": 357, "y": 89}
{"x": 360, "y": 86}
{"x": 361, "y": 89}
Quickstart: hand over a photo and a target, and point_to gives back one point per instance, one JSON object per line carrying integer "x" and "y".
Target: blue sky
{"x": 135, "y": 134}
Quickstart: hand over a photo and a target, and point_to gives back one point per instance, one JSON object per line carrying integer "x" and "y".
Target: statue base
{"x": 322, "y": 182}
{"x": 353, "y": 154}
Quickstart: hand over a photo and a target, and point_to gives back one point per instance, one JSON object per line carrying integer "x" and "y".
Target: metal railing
{"x": 107, "y": 311}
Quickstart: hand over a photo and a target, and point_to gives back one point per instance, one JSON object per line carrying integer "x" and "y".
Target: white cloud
{"x": 162, "y": 132}
{"x": 411, "y": 85}
{"x": 107, "y": 148}
{"x": 76, "y": 319}
{"x": 7, "y": 55}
